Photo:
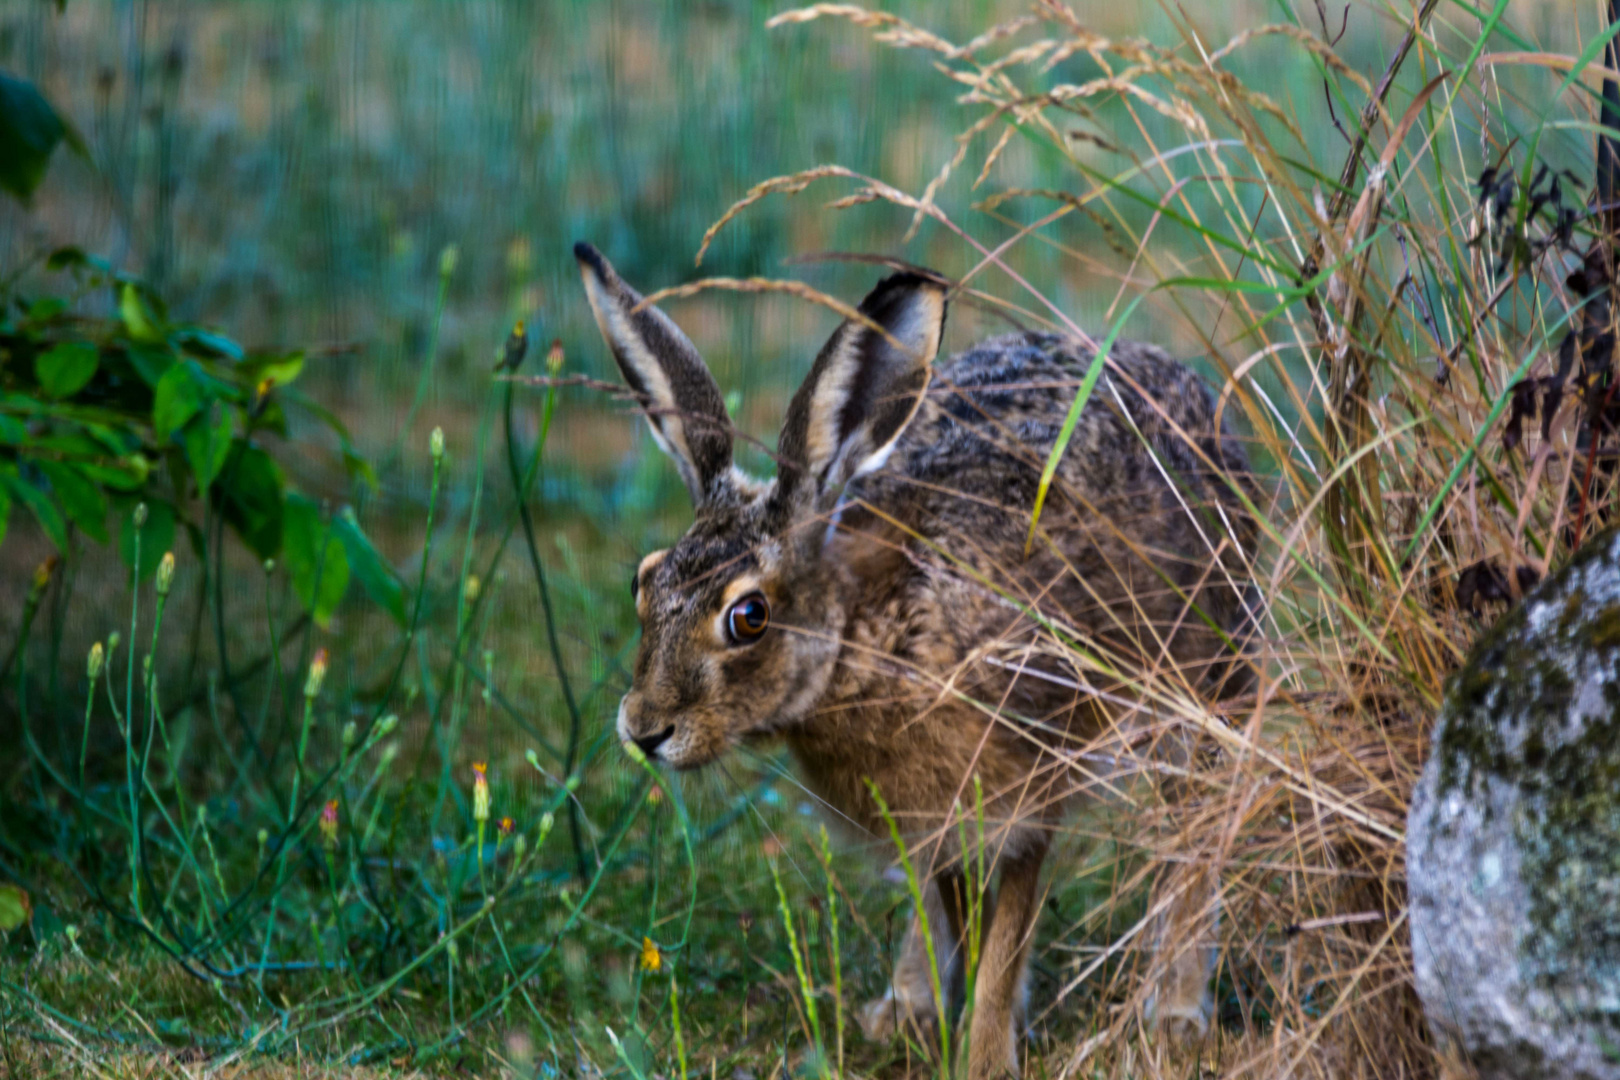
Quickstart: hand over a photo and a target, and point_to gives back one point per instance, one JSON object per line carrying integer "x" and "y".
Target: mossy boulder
{"x": 1513, "y": 841}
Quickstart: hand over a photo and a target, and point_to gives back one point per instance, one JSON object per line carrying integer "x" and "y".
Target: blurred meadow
{"x": 384, "y": 187}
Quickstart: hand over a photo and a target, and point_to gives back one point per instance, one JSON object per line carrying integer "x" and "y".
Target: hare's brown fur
{"x": 911, "y": 638}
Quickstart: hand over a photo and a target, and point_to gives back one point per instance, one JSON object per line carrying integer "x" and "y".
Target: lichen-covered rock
{"x": 1513, "y": 841}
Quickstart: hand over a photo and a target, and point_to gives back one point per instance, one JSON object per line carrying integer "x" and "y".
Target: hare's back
{"x": 995, "y": 412}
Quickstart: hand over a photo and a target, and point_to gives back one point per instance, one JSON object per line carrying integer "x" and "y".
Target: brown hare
{"x": 874, "y": 607}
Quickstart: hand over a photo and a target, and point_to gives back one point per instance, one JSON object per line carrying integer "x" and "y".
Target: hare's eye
{"x": 635, "y": 586}
{"x": 748, "y": 618}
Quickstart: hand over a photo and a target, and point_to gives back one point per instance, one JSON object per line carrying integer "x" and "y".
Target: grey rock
{"x": 1513, "y": 840}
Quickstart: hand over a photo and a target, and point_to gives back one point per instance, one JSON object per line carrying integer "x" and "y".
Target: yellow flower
{"x": 480, "y": 792}
{"x": 651, "y": 958}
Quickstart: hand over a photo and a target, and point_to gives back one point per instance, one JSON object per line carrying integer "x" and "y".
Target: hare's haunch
{"x": 874, "y": 606}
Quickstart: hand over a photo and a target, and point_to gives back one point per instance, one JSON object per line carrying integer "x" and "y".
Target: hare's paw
{"x": 1183, "y": 1023}
{"x": 883, "y": 1018}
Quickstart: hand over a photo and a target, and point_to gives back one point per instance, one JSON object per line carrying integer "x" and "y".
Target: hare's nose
{"x": 649, "y": 744}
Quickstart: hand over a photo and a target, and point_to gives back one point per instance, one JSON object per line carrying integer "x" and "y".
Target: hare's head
{"x": 741, "y": 619}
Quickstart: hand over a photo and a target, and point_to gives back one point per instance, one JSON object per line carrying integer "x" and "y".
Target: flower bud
{"x": 329, "y": 823}
{"x": 547, "y": 820}
{"x": 264, "y": 838}
{"x": 112, "y": 642}
{"x": 269, "y": 567}
{"x": 165, "y": 574}
{"x": 554, "y": 357}
{"x": 520, "y": 848}
{"x": 351, "y": 734}
{"x": 448, "y": 259}
{"x": 480, "y": 792}
{"x": 505, "y": 827}
{"x": 635, "y": 752}
{"x": 469, "y": 588}
{"x": 385, "y": 727}
{"x": 390, "y": 752}
{"x": 140, "y": 516}
{"x": 317, "y": 674}
{"x": 97, "y": 658}
{"x": 436, "y": 443}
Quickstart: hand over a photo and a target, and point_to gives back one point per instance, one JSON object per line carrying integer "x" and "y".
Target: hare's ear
{"x": 862, "y": 391}
{"x": 663, "y": 368}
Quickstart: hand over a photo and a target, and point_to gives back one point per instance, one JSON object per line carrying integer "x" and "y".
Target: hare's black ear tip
{"x": 907, "y": 281}
{"x": 587, "y": 255}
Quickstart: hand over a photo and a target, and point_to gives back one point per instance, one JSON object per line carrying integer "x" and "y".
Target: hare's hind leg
{"x": 1185, "y": 950}
{"x": 998, "y": 991}
{"x": 909, "y": 1001}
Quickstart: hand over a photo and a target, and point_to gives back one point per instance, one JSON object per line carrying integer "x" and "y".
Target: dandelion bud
{"x": 532, "y": 758}
{"x": 547, "y": 820}
{"x": 554, "y": 356}
{"x": 436, "y": 443}
{"x": 269, "y": 567}
{"x": 448, "y": 259}
{"x": 452, "y": 950}
{"x": 390, "y": 752}
{"x": 329, "y": 823}
{"x": 505, "y": 827}
{"x": 42, "y": 576}
{"x": 385, "y": 726}
{"x": 165, "y": 574}
{"x": 140, "y": 516}
{"x": 112, "y": 642}
{"x": 480, "y": 792}
{"x": 469, "y": 588}
{"x": 317, "y": 674}
{"x": 351, "y": 734}
{"x": 656, "y": 795}
{"x": 97, "y": 658}
{"x": 520, "y": 848}
{"x": 264, "y": 838}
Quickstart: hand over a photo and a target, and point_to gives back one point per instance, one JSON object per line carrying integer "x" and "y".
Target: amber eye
{"x": 748, "y": 618}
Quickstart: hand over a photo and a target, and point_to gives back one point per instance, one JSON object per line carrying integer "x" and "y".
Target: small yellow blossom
{"x": 506, "y": 826}
{"x": 651, "y": 958}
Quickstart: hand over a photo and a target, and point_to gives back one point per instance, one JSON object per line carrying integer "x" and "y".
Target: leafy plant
{"x": 99, "y": 414}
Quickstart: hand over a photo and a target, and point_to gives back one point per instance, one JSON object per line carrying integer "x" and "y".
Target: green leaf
{"x": 315, "y": 559}
{"x": 157, "y": 536}
{"x": 178, "y": 398}
{"x": 13, "y": 432}
{"x": 249, "y": 489}
{"x": 208, "y": 443}
{"x": 208, "y": 344}
{"x": 29, "y": 131}
{"x": 64, "y": 370}
{"x": 128, "y": 473}
{"x": 140, "y": 320}
{"x": 376, "y": 576}
{"x": 279, "y": 369}
{"x": 45, "y": 309}
{"x": 151, "y": 361}
{"x": 80, "y": 497}
{"x": 15, "y": 908}
{"x": 39, "y": 504}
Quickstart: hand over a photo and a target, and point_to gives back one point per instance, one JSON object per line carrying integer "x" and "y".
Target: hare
{"x": 874, "y": 606}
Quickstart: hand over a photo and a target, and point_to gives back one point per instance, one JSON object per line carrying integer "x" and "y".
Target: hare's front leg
{"x": 998, "y": 991}
{"x": 909, "y": 1001}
